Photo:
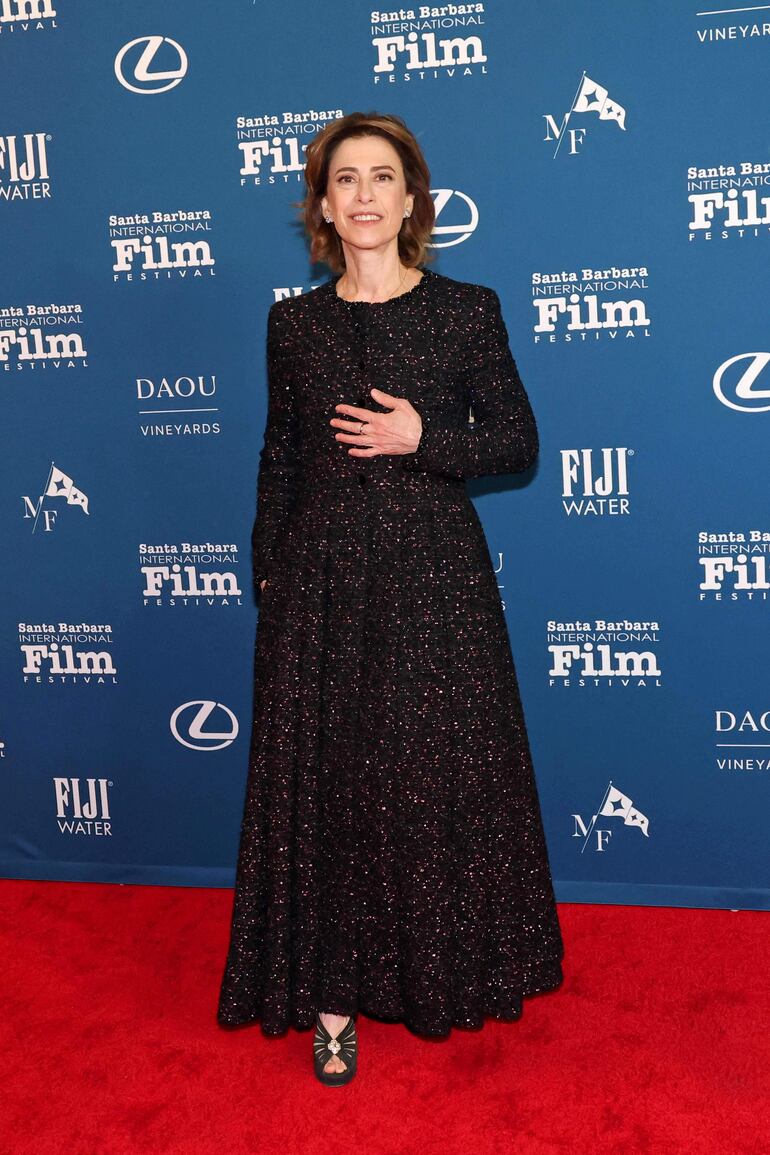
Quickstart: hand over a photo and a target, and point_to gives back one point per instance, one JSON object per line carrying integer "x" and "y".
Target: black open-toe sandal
{"x": 345, "y": 1045}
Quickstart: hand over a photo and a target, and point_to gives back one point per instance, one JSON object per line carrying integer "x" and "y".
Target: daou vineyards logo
{"x": 595, "y": 653}
{"x": 726, "y": 201}
{"x": 151, "y": 65}
{"x": 24, "y": 172}
{"x": 742, "y": 726}
{"x": 272, "y": 145}
{"x": 428, "y": 42}
{"x": 178, "y": 396}
{"x": 204, "y": 725}
{"x": 52, "y": 653}
{"x": 717, "y": 31}
{"x": 733, "y": 566}
{"x": 83, "y": 806}
{"x": 148, "y": 246}
{"x": 614, "y": 804}
{"x": 180, "y": 574}
{"x": 590, "y": 304}
{"x": 58, "y": 484}
{"x": 590, "y": 97}
{"x": 741, "y": 387}
{"x": 27, "y": 339}
{"x": 26, "y": 15}
{"x": 595, "y": 482}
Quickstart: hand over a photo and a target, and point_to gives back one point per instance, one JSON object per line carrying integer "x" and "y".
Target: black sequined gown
{"x": 392, "y": 856}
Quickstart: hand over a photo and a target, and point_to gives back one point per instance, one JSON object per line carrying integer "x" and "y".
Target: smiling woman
{"x": 392, "y": 860}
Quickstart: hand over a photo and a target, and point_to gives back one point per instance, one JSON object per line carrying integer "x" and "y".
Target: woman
{"x": 392, "y": 857}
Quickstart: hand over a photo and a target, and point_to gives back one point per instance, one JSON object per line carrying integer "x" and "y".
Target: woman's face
{"x": 366, "y": 180}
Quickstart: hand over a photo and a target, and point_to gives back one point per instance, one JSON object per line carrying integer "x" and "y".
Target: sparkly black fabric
{"x": 392, "y": 856}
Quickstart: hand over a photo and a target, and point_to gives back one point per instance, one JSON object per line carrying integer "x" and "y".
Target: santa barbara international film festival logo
{"x": 428, "y": 42}
{"x": 24, "y": 174}
{"x": 62, "y": 653}
{"x": 181, "y": 574}
{"x": 26, "y": 16}
{"x": 597, "y": 654}
{"x": 614, "y": 804}
{"x": 733, "y": 565}
{"x": 45, "y": 510}
{"x": 83, "y": 806}
{"x": 590, "y": 97}
{"x": 271, "y": 145}
{"x": 595, "y": 482}
{"x": 579, "y": 305}
{"x": 150, "y": 246}
{"x": 40, "y": 337}
{"x": 725, "y": 201}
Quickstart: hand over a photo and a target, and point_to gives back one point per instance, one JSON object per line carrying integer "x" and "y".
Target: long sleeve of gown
{"x": 278, "y": 460}
{"x": 503, "y": 436}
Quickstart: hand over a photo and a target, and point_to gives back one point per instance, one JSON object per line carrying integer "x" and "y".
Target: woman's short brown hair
{"x": 413, "y": 237}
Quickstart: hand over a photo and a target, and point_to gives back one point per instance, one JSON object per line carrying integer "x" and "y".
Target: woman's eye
{"x": 346, "y": 177}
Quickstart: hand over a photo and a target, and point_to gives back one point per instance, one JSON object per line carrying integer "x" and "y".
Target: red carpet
{"x": 656, "y": 1043}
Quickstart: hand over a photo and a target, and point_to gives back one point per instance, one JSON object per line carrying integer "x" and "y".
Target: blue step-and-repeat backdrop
{"x": 605, "y": 166}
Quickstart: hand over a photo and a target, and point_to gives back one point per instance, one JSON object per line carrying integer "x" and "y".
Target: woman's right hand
{"x": 262, "y": 584}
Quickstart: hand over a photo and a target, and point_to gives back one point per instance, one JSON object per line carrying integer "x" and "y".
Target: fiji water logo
{"x": 83, "y": 806}
{"x": 24, "y": 167}
{"x": 595, "y": 486}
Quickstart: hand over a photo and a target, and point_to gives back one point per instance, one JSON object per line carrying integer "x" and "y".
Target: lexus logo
{"x": 133, "y": 64}
{"x": 188, "y": 725}
{"x": 742, "y": 392}
{"x": 467, "y": 217}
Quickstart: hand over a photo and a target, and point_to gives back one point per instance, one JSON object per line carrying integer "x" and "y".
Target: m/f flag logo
{"x": 58, "y": 484}
{"x": 590, "y": 97}
{"x": 614, "y": 804}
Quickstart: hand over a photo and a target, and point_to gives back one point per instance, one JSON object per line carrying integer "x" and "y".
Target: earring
{"x": 407, "y": 214}
{"x": 328, "y": 220}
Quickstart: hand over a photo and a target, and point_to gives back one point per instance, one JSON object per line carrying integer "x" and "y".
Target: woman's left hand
{"x": 396, "y": 432}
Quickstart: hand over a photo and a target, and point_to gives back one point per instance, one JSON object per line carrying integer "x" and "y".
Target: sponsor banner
{"x": 40, "y": 337}
{"x": 183, "y": 574}
{"x": 733, "y": 565}
{"x": 162, "y": 246}
{"x": 596, "y": 305}
{"x": 604, "y": 654}
{"x": 65, "y": 654}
